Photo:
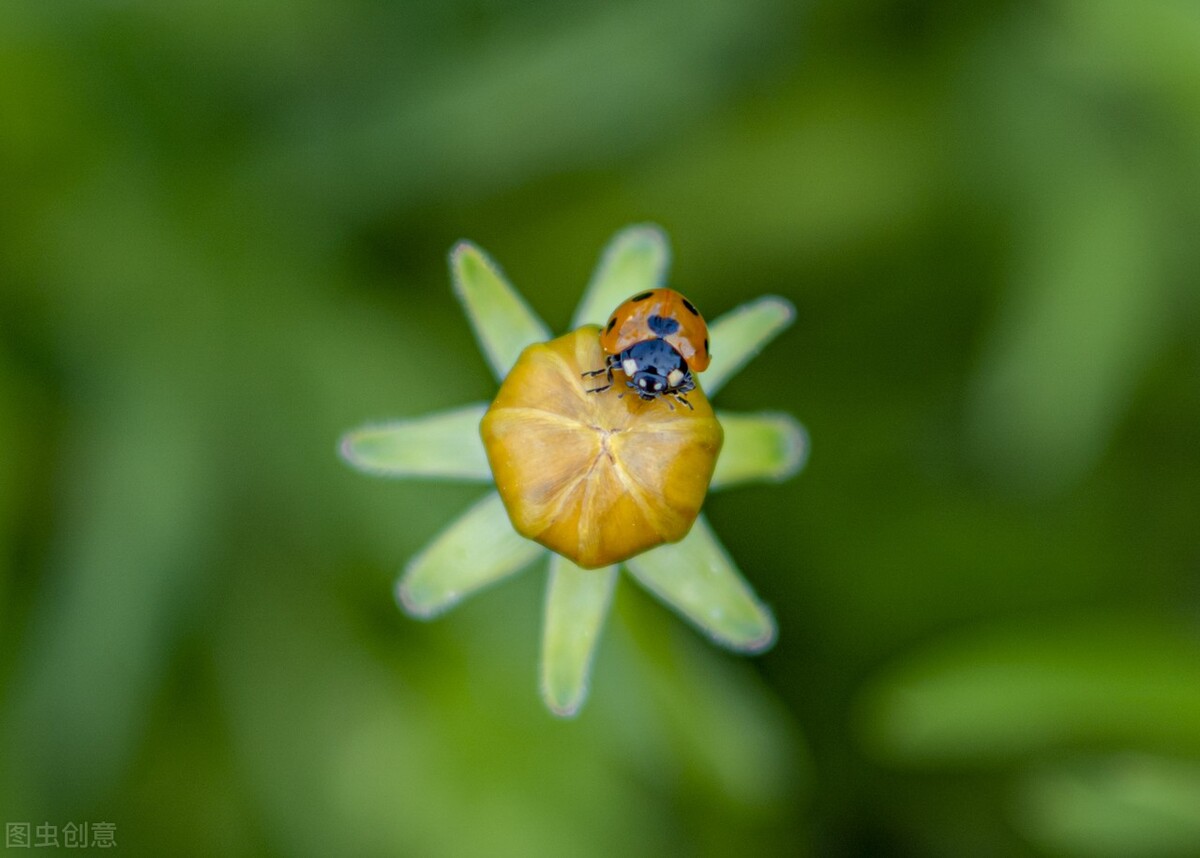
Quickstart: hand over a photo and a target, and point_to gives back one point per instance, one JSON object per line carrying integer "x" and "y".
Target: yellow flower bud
{"x": 596, "y": 477}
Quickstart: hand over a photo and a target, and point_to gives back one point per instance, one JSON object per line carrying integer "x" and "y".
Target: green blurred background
{"x": 223, "y": 230}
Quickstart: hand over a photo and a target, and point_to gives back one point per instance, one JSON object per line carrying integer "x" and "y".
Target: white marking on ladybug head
{"x": 642, "y": 383}
{"x": 629, "y": 365}
{"x": 675, "y": 377}
{"x": 658, "y": 385}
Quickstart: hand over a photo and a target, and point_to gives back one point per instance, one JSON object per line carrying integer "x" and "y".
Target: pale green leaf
{"x": 697, "y": 578}
{"x": 292, "y": 678}
{"x": 136, "y": 546}
{"x": 504, "y": 324}
{"x": 577, "y": 602}
{"x": 478, "y": 549}
{"x": 1085, "y": 315}
{"x": 1129, "y": 804}
{"x": 691, "y": 694}
{"x": 742, "y": 333}
{"x": 636, "y": 259}
{"x": 767, "y": 446}
{"x": 999, "y": 694}
{"x": 445, "y": 444}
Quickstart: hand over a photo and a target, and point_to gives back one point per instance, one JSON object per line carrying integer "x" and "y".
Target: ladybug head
{"x": 648, "y": 384}
{"x": 654, "y": 368}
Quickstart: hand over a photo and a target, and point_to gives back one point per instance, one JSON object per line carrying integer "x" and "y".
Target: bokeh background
{"x": 223, "y": 230}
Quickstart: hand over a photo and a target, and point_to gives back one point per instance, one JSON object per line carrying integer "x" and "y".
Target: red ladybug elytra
{"x": 658, "y": 339}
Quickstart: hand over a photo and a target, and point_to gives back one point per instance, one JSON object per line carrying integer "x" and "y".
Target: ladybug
{"x": 658, "y": 339}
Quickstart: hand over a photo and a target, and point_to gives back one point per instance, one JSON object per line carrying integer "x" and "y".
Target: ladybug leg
{"x": 603, "y": 387}
{"x": 607, "y": 368}
{"x": 687, "y": 384}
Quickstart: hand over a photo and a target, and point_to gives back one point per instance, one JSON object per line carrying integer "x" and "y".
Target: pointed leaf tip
{"x": 503, "y": 323}
{"x": 635, "y": 259}
{"x": 697, "y": 578}
{"x": 477, "y": 549}
{"x": 445, "y": 444}
{"x": 577, "y": 603}
{"x": 764, "y": 447}
{"x": 742, "y": 333}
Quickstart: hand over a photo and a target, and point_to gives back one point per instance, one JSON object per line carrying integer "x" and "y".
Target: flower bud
{"x": 596, "y": 477}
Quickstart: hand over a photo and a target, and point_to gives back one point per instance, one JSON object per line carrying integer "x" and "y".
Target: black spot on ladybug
{"x": 706, "y": 345}
{"x": 644, "y": 296}
{"x": 662, "y": 326}
{"x": 688, "y": 304}
{"x": 611, "y": 322}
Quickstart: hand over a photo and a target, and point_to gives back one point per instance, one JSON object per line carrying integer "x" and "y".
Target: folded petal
{"x": 476, "y": 550}
{"x": 741, "y": 334}
{"x": 636, "y": 259}
{"x": 445, "y": 444}
{"x": 697, "y": 578}
{"x": 577, "y": 602}
{"x": 504, "y": 324}
{"x": 763, "y": 447}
